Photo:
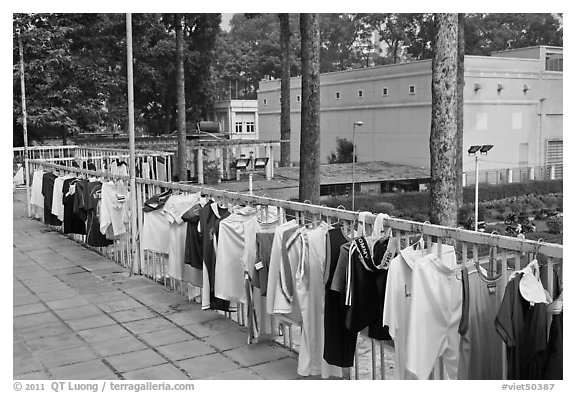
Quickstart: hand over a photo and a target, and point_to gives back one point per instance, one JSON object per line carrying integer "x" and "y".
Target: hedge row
{"x": 415, "y": 205}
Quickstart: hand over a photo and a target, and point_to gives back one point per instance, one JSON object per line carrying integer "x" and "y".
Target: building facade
{"x": 512, "y": 100}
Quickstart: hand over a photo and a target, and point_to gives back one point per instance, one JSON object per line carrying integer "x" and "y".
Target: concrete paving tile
{"x": 59, "y": 341}
{"x": 35, "y": 375}
{"x": 57, "y": 295}
{"x": 148, "y": 325}
{"x": 95, "y": 289}
{"x": 212, "y": 328}
{"x": 111, "y": 297}
{"x": 93, "y": 370}
{"x": 63, "y": 357}
{"x": 134, "y": 314}
{"x": 280, "y": 369}
{"x": 240, "y": 374}
{"x": 32, "y": 320}
{"x": 117, "y": 346}
{"x": 27, "y": 309}
{"x": 68, "y": 314}
{"x": 91, "y": 322}
{"x": 161, "y": 372}
{"x": 44, "y": 330}
{"x": 67, "y": 303}
{"x": 253, "y": 354}
{"x": 228, "y": 340}
{"x": 24, "y": 300}
{"x": 68, "y": 270}
{"x": 165, "y": 336}
{"x": 194, "y": 316}
{"x": 207, "y": 366}
{"x": 25, "y": 364}
{"x": 185, "y": 350}
{"x": 121, "y": 305}
{"x": 135, "y": 360}
{"x": 103, "y": 333}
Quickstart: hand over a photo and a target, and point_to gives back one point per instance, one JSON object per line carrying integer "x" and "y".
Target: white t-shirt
{"x": 36, "y": 197}
{"x": 229, "y": 272}
{"x": 156, "y": 232}
{"x": 173, "y": 210}
{"x": 57, "y": 195}
{"x": 114, "y": 208}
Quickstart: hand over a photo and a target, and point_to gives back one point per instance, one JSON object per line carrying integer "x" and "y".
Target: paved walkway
{"x": 78, "y": 315}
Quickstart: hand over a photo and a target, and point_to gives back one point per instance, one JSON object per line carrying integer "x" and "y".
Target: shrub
{"x": 211, "y": 172}
{"x": 420, "y": 217}
{"x": 554, "y": 225}
{"x": 386, "y": 208}
{"x": 487, "y": 192}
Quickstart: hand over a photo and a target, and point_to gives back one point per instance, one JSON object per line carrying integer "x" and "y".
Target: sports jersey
{"x": 229, "y": 272}
{"x": 173, "y": 209}
{"x": 194, "y": 241}
{"x": 339, "y": 343}
{"x": 397, "y": 304}
{"x": 36, "y": 197}
{"x": 92, "y": 196}
{"x": 210, "y": 217}
{"x": 58, "y": 197}
{"x": 114, "y": 209}
{"x": 553, "y": 363}
{"x": 309, "y": 290}
{"x": 48, "y": 180}
{"x": 156, "y": 232}
{"x": 437, "y": 306}
{"x": 524, "y": 329}
{"x": 480, "y": 345}
{"x": 72, "y": 221}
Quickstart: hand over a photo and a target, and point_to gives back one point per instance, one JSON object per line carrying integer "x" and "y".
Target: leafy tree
{"x": 344, "y": 152}
{"x": 342, "y": 47}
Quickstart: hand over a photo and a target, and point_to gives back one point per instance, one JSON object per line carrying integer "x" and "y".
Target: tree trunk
{"x": 443, "y": 154}
{"x": 180, "y": 100}
{"x": 285, "y": 90}
{"x": 310, "y": 121}
{"x": 460, "y": 124}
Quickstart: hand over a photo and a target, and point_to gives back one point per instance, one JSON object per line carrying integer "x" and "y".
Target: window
{"x": 298, "y": 98}
{"x": 554, "y": 62}
{"x": 238, "y": 127}
{"x": 360, "y": 93}
{"x": 411, "y": 89}
{"x": 265, "y": 102}
{"x": 337, "y": 95}
{"x": 249, "y": 126}
{"x": 384, "y": 92}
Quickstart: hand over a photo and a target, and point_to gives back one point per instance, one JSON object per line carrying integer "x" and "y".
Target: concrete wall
{"x": 517, "y": 119}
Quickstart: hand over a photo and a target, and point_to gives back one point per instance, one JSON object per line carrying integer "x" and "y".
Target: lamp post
{"x": 474, "y": 150}
{"x": 359, "y": 124}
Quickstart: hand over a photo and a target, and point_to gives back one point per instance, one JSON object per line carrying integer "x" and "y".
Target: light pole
{"x": 359, "y": 124}
{"x": 474, "y": 150}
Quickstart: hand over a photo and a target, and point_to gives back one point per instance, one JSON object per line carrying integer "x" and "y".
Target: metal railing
{"x": 470, "y": 246}
{"x": 514, "y": 175}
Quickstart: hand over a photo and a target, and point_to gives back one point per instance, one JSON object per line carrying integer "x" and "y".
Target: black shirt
{"x": 523, "y": 329}
{"x": 48, "y": 190}
{"x": 73, "y": 223}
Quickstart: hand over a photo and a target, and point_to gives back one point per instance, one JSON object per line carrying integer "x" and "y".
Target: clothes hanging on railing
{"x": 480, "y": 345}
{"x": 93, "y": 200}
{"x": 522, "y": 324}
{"x": 36, "y": 197}
{"x": 48, "y": 180}
{"x": 114, "y": 209}
{"x": 72, "y": 221}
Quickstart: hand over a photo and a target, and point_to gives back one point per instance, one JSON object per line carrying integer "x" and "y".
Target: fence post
{"x": 509, "y": 174}
{"x": 531, "y": 176}
{"x": 268, "y": 153}
{"x": 200, "y": 165}
{"x": 552, "y": 172}
{"x": 464, "y": 179}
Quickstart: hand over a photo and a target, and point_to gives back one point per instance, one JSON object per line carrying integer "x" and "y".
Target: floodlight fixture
{"x": 242, "y": 163}
{"x": 260, "y": 162}
{"x": 474, "y": 149}
{"x": 485, "y": 149}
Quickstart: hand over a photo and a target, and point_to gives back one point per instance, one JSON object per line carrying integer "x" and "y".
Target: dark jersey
{"x": 93, "y": 235}
{"x": 339, "y": 342}
{"x": 523, "y": 329}
{"x": 194, "y": 240}
{"x": 48, "y": 190}
{"x": 73, "y": 223}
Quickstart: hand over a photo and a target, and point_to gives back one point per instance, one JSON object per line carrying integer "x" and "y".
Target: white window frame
{"x": 298, "y": 98}
{"x": 412, "y": 89}
{"x": 384, "y": 92}
{"x": 250, "y": 127}
{"x": 265, "y": 101}
{"x": 360, "y": 93}
{"x": 236, "y": 129}
{"x": 337, "y": 95}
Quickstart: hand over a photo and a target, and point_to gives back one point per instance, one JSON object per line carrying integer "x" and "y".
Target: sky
{"x": 225, "y": 22}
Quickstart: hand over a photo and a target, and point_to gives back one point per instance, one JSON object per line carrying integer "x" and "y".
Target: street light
{"x": 359, "y": 124}
{"x": 474, "y": 150}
